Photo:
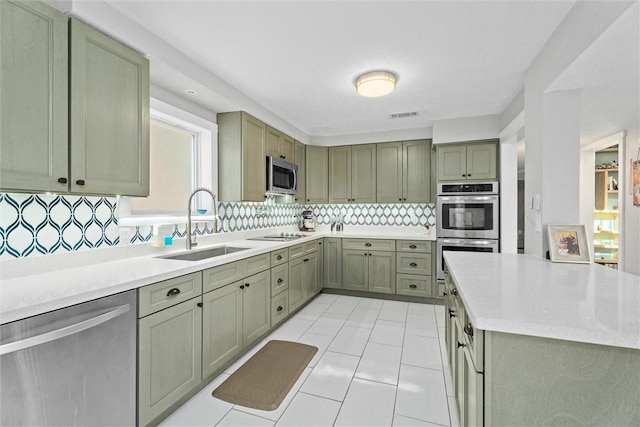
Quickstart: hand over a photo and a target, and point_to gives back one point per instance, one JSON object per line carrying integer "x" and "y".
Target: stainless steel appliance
{"x": 282, "y": 237}
{"x": 282, "y": 176}
{"x": 75, "y": 366}
{"x": 468, "y": 219}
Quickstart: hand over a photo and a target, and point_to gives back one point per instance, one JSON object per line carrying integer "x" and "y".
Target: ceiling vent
{"x": 401, "y": 115}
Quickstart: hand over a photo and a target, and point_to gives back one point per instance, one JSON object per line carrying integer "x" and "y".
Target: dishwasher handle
{"x": 63, "y": 332}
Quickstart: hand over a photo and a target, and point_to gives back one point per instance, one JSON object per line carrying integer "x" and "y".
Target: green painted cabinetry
{"x": 279, "y": 145}
{"x": 241, "y": 157}
{"x": 303, "y": 273}
{"x": 472, "y": 161}
{"x": 317, "y": 170}
{"x": 332, "y": 262}
{"x": 301, "y": 161}
{"x": 369, "y": 265}
{"x": 75, "y": 106}
{"x": 403, "y": 172}
{"x": 352, "y": 174}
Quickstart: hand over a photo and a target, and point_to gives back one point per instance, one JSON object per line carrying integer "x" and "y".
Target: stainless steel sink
{"x": 204, "y": 254}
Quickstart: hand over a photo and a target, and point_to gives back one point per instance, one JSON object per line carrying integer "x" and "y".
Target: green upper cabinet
{"x": 301, "y": 161}
{"x": 279, "y": 145}
{"x": 403, "y": 172}
{"x": 241, "y": 157}
{"x": 317, "y": 169}
{"x": 352, "y": 174}
{"x": 34, "y": 102}
{"x": 109, "y": 115}
{"x": 475, "y": 161}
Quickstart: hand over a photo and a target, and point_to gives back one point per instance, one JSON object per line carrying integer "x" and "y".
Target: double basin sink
{"x": 204, "y": 254}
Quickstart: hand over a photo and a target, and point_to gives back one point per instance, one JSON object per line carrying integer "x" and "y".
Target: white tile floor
{"x": 379, "y": 363}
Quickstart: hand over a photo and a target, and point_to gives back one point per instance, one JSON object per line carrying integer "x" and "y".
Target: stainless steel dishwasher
{"x": 71, "y": 367}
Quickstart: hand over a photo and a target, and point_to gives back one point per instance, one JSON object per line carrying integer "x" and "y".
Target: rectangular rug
{"x": 266, "y": 378}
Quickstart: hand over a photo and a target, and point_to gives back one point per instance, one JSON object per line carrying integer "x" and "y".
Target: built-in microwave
{"x": 282, "y": 176}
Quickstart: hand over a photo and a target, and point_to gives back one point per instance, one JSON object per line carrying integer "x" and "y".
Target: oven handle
{"x": 469, "y": 242}
{"x": 464, "y": 199}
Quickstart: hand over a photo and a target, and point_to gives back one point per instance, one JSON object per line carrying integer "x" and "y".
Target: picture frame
{"x": 568, "y": 243}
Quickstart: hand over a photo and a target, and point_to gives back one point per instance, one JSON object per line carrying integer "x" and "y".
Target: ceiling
{"x": 298, "y": 59}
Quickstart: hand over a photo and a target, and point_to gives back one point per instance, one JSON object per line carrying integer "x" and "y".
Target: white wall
{"x": 466, "y": 129}
{"x": 366, "y": 138}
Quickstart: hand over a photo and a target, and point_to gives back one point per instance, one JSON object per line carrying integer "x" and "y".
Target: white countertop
{"x": 526, "y": 295}
{"x": 33, "y": 286}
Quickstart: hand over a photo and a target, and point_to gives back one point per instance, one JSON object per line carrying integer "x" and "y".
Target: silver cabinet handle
{"x": 62, "y": 332}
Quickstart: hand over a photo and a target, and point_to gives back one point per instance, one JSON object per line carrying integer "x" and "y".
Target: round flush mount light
{"x": 376, "y": 83}
{"x": 191, "y": 92}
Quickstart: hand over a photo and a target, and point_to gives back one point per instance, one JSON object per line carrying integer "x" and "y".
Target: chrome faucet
{"x": 193, "y": 243}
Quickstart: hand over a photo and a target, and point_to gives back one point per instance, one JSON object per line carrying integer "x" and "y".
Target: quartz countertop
{"x": 36, "y": 285}
{"x": 526, "y": 295}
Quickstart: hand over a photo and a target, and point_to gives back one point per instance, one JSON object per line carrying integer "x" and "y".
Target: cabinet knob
{"x": 454, "y": 292}
{"x": 280, "y": 308}
{"x": 308, "y": 200}
{"x": 404, "y": 199}
{"x": 413, "y": 264}
{"x": 452, "y": 313}
{"x": 62, "y": 180}
{"x": 464, "y": 174}
{"x": 460, "y": 344}
{"x": 246, "y": 284}
{"x": 468, "y": 329}
{"x": 173, "y": 292}
{"x": 412, "y": 286}
{"x": 280, "y": 280}
{"x": 241, "y": 286}
{"x": 80, "y": 182}
{"x": 199, "y": 304}
{"x": 279, "y": 257}
{"x": 400, "y": 199}
{"x": 413, "y": 247}
{"x": 306, "y": 259}
{"x": 368, "y": 245}
{"x": 444, "y": 294}
{"x": 468, "y": 175}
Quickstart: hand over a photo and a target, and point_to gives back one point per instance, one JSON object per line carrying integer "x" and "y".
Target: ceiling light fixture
{"x": 376, "y": 83}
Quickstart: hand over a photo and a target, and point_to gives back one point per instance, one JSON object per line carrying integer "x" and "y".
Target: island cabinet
{"x": 169, "y": 343}
{"x": 301, "y": 162}
{"x": 317, "y": 170}
{"x": 236, "y": 309}
{"x": 303, "y": 273}
{"x": 352, "y": 174}
{"x": 503, "y": 375}
{"x": 369, "y": 265}
{"x": 472, "y": 161}
{"x": 403, "y": 172}
{"x": 75, "y": 106}
{"x": 279, "y": 145}
{"x": 241, "y": 157}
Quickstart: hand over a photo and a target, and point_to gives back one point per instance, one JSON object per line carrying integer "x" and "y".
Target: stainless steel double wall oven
{"x": 467, "y": 218}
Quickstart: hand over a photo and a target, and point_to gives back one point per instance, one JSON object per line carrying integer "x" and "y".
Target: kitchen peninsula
{"x": 531, "y": 342}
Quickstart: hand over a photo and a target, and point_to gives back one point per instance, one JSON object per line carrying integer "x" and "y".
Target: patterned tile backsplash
{"x": 39, "y": 224}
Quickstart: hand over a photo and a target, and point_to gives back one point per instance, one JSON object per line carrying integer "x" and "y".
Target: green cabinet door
{"x": 481, "y": 161}
{"x": 333, "y": 262}
{"x": 363, "y": 173}
{"x": 34, "y": 103}
{"x": 340, "y": 174}
{"x": 317, "y": 169}
{"x": 256, "y": 306}
{"x": 109, "y": 116}
{"x": 389, "y": 172}
{"x": 221, "y": 327}
{"x": 452, "y": 162}
{"x": 301, "y": 161}
{"x": 253, "y": 163}
{"x": 272, "y": 142}
{"x": 296, "y": 297}
{"x": 355, "y": 270}
{"x": 287, "y": 148}
{"x": 320, "y": 265}
{"x": 416, "y": 175}
{"x": 309, "y": 276}
{"x": 170, "y": 357}
{"x": 382, "y": 272}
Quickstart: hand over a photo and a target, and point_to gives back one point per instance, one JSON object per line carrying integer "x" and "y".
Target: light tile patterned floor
{"x": 379, "y": 363}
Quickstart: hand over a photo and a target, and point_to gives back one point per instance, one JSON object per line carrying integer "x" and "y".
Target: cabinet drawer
{"x": 369, "y": 244}
{"x": 302, "y": 249}
{"x": 413, "y": 246}
{"x": 279, "y": 308}
{"x": 256, "y": 264}
{"x": 279, "y": 279}
{"x": 414, "y": 285}
{"x": 170, "y": 292}
{"x": 279, "y": 257}
{"x": 217, "y": 277}
{"x": 413, "y": 263}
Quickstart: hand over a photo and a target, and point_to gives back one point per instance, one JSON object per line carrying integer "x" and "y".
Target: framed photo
{"x": 568, "y": 243}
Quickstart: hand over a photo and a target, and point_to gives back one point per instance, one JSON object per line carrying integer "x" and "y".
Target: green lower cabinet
{"x": 332, "y": 263}
{"x": 221, "y": 327}
{"x": 295, "y": 284}
{"x": 256, "y": 306}
{"x": 170, "y": 352}
{"x": 310, "y": 276}
{"x": 371, "y": 271}
{"x": 382, "y": 272}
{"x": 355, "y": 274}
